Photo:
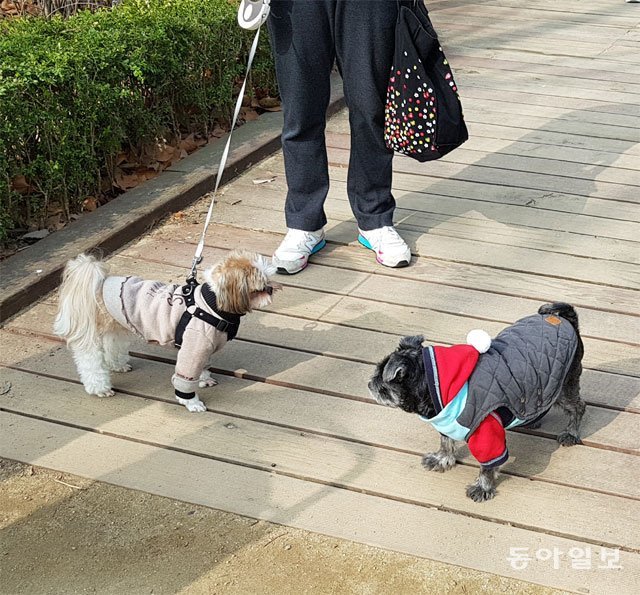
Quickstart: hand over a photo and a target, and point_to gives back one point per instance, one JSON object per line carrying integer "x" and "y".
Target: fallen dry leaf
{"x": 165, "y": 153}
{"x": 248, "y": 114}
{"x": 20, "y": 185}
{"x": 264, "y": 180}
{"x": 189, "y": 143}
{"x": 127, "y": 181}
{"x": 270, "y": 103}
{"x": 90, "y": 204}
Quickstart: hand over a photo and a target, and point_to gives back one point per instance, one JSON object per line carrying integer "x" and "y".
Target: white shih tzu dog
{"x": 99, "y": 315}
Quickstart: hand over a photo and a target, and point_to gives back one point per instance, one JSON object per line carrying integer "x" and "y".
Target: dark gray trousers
{"x": 307, "y": 36}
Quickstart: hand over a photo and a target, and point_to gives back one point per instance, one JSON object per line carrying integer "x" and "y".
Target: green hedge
{"x": 75, "y": 92}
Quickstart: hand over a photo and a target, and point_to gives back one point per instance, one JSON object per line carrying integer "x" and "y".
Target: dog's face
{"x": 242, "y": 282}
{"x": 399, "y": 379}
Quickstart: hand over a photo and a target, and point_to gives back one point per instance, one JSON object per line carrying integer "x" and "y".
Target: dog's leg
{"x": 93, "y": 372}
{"x": 483, "y": 488}
{"x": 442, "y": 460}
{"x": 116, "y": 351}
{"x": 206, "y": 379}
{"x": 572, "y": 405}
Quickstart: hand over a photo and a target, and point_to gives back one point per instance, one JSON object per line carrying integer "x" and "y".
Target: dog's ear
{"x": 231, "y": 284}
{"x": 414, "y": 342}
{"x": 394, "y": 371}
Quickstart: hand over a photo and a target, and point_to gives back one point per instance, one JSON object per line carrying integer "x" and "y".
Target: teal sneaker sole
{"x": 319, "y": 246}
{"x": 364, "y": 242}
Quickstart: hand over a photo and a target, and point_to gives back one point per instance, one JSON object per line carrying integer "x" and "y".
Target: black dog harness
{"x": 227, "y": 323}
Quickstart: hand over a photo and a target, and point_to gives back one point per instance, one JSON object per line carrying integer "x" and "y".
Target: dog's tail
{"x": 566, "y": 311}
{"x": 81, "y": 302}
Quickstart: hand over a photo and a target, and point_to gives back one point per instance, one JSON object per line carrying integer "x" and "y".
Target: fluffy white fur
{"x": 100, "y": 345}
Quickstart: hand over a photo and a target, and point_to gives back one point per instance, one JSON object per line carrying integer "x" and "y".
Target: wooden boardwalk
{"x": 541, "y": 204}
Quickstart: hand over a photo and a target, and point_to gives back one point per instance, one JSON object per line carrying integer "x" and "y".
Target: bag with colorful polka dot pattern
{"x": 423, "y": 113}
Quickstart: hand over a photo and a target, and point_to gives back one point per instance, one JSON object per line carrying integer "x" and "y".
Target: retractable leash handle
{"x": 251, "y": 15}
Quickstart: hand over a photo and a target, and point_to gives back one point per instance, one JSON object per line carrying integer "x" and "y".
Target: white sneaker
{"x": 391, "y": 250}
{"x": 293, "y": 253}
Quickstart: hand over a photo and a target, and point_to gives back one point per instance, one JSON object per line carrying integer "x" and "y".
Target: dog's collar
{"x": 433, "y": 383}
{"x": 209, "y": 297}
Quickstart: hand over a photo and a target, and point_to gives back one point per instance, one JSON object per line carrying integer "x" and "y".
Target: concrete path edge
{"x": 30, "y": 274}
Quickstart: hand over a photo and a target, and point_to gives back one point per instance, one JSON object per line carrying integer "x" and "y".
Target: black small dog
{"x": 472, "y": 396}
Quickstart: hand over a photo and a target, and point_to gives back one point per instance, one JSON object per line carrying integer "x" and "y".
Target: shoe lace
{"x": 390, "y": 237}
{"x": 298, "y": 239}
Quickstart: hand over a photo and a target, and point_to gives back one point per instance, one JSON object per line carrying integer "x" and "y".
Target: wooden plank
{"x": 586, "y": 7}
{"x": 510, "y": 178}
{"x": 484, "y": 155}
{"x": 398, "y": 320}
{"x": 604, "y": 428}
{"x": 326, "y": 460}
{"x": 625, "y": 69}
{"x": 584, "y": 71}
{"x": 520, "y": 226}
{"x": 461, "y": 250}
{"x": 517, "y": 14}
{"x": 541, "y": 153}
{"x": 321, "y": 413}
{"x": 343, "y": 260}
{"x": 552, "y": 86}
{"x": 402, "y": 292}
{"x": 538, "y": 155}
{"x": 516, "y": 214}
{"x": 293, "y": 502}
{"x": 453, "y": 31}
{"x": 576, "y": 127}
{"x": 543, "y": 82}
{"x": 577, "y": 107}
{"x": 546, "y": 209}
{"x": 593, "y": 132}
{"x": 487, "y": 120}
{"x": 542, "y": 135}
{"x": 334, "y": 360}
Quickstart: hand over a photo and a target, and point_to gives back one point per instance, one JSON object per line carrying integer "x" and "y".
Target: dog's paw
{"x": 123, "y": 369}
{"x": 205, "y": 383}
{"x": 104, "y": 392}
{"x": 435, "y": 461}
{"x": 568, "y": 439}
{"x": 479, "y": 494}
{"x": 195, "y": 405}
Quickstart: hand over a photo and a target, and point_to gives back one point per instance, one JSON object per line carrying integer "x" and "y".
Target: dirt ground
{"x": 64, "y": 534}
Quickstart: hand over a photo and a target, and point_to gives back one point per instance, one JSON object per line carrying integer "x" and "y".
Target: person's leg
{"x": 302, "y": 42}
{"x": 365, "y": 40}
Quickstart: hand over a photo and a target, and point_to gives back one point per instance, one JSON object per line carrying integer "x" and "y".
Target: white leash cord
{"x": 197, "y": 259}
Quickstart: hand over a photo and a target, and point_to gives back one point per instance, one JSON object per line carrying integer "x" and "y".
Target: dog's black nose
{"x": 269, "y": 289}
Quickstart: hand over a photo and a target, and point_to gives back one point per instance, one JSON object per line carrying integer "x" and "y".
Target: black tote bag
{"x": 423, "y": 113}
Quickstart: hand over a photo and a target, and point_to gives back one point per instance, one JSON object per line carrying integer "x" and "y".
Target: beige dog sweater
{"x": 152, "y": 310}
